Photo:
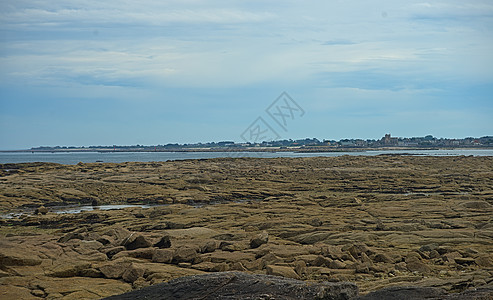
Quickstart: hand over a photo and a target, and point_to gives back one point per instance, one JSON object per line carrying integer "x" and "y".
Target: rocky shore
{"x": 378, "y": 222}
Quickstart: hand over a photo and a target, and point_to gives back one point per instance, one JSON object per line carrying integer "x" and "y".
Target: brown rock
{"x": 68, "y": 269}
{"x": 382, "y": 257}
{"x": 321, "y": 261}
{"x": 163, "y": 256}
{"x": 13, "y": 255}
{"x": 450, "y": 257}
{"x": 413, "y": 256}
{"x": 434, "y": 254}
{"x": 38, "y": 293}
{"x": 114, "y": 270}
{"x": 117, "y": 234}
{"x": 464, "y": 260}
{"x": 146, "y": 253}
{"x": 239, "y": 246}
{"x": 484, "y": 261}
{"x": 237, "y": 266}
{"x": 135, "y": 241}
{"x": 363, "y": 268}
{"x": 132, "y": 273}
{"x": 429, "y": 247}
{"x": 90, "y": 272}
{"x": 112, "y": 251}
{"x": 164, "y": 242}
{"x": 88, "y": 247}
{"x": 365, "y": 259}
{"x": 184, "y": 254}
{"x": 417, "y": 266}
{"x": 41, "y": 210}
{"x": 208, "y": 247}
{"x": 282, "y": 271}
{"x": 337, "y": 264}
{"x": 332, "y": 252}
{"x": 300, "y": 267}
{"x": 259, "y": 240}
{"x": 269, "y": 259}
{"x": 477, "y": 205}
{"x": 16, "y": 292}
{"x": 357, "y": 249}
{"x": 70, "y": 236}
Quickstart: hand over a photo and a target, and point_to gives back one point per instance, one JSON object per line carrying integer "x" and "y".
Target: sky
{"x": 81, "y": 73}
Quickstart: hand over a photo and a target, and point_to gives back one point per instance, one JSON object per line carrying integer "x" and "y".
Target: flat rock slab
{"x": 237, "y": 285}
{"x": 428, "y": 293}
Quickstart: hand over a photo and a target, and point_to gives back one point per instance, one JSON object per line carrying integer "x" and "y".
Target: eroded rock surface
{"x": 375, "y": 221}
{"x": 237, "y": 285}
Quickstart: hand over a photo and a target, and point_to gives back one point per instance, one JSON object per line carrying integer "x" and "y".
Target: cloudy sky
{"x": 156, "y": 72}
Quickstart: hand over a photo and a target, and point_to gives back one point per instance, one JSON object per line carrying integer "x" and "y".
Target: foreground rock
{"x": 237, "y": 285}
{"x": 418, "y": 293}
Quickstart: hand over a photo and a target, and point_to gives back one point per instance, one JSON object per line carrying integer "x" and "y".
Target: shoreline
{"x": 255, "y": 149}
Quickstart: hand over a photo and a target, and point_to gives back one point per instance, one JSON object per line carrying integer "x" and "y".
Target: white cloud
{"x": 230, "y": 43}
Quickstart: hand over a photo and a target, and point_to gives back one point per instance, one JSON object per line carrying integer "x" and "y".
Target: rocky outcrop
{"x": 237, "y": 285}
{"x": 429, "y": 293}
{"x": 375, "y": 221}
{"x": 259, "y": 240}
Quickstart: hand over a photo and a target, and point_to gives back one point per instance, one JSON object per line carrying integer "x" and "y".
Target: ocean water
{"x": 72, "y": 158}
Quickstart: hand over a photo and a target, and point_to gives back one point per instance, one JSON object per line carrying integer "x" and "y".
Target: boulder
{"x": 450, "y": 257}
{"x": 357, "y": 249}
{"x": 321, "y": 261}
{"x": 68, "y": 269}
{"x": 117, "y": 234}
{"x": 13, "y": 255}
{"x": 282, "y": 271}
{"x": 163, "y": 256}
{"x": 112, "y": 251}
{"x": 337, "y": 264}
{"x": 184, "y": 254}
{"x": 382, "y": 257}
{"x": 237, "y": 285}
{"x": 259, "y": 240}
{"x": 484, "y": 261}
{"x": 132, "y": 273}
{"x": 417, "y": 266}
{"x": 114, "y": 270}
{"x": 135, "y": 241}
{"x": 300, "y": 267}
{"x": 208, "y": 247}
{"x": 146, "y": 253}
{"x": 41, "y": 210}
{"x": 164, "y": 242}
{"x": 429, "y": 247}
{"x": 90, "y": 272}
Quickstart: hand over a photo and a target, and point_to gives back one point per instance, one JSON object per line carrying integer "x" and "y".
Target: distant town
{"x": 301, "y": 145}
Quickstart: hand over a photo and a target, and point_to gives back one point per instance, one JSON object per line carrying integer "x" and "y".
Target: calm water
{"x": 118, "y": 157}
{"x": 74, "y": 209}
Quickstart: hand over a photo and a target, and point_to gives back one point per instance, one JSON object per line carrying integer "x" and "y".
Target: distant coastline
{"x": 252, "y": 149}
{"x": 307, "y": 145}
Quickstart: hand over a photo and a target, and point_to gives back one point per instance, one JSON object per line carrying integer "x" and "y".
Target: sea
{"x": 72, "y": 158}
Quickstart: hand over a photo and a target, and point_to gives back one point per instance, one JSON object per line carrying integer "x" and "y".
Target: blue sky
{"x": 156, "y": 72}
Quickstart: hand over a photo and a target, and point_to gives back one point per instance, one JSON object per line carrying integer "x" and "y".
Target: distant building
{"x": 387, "y": 140}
